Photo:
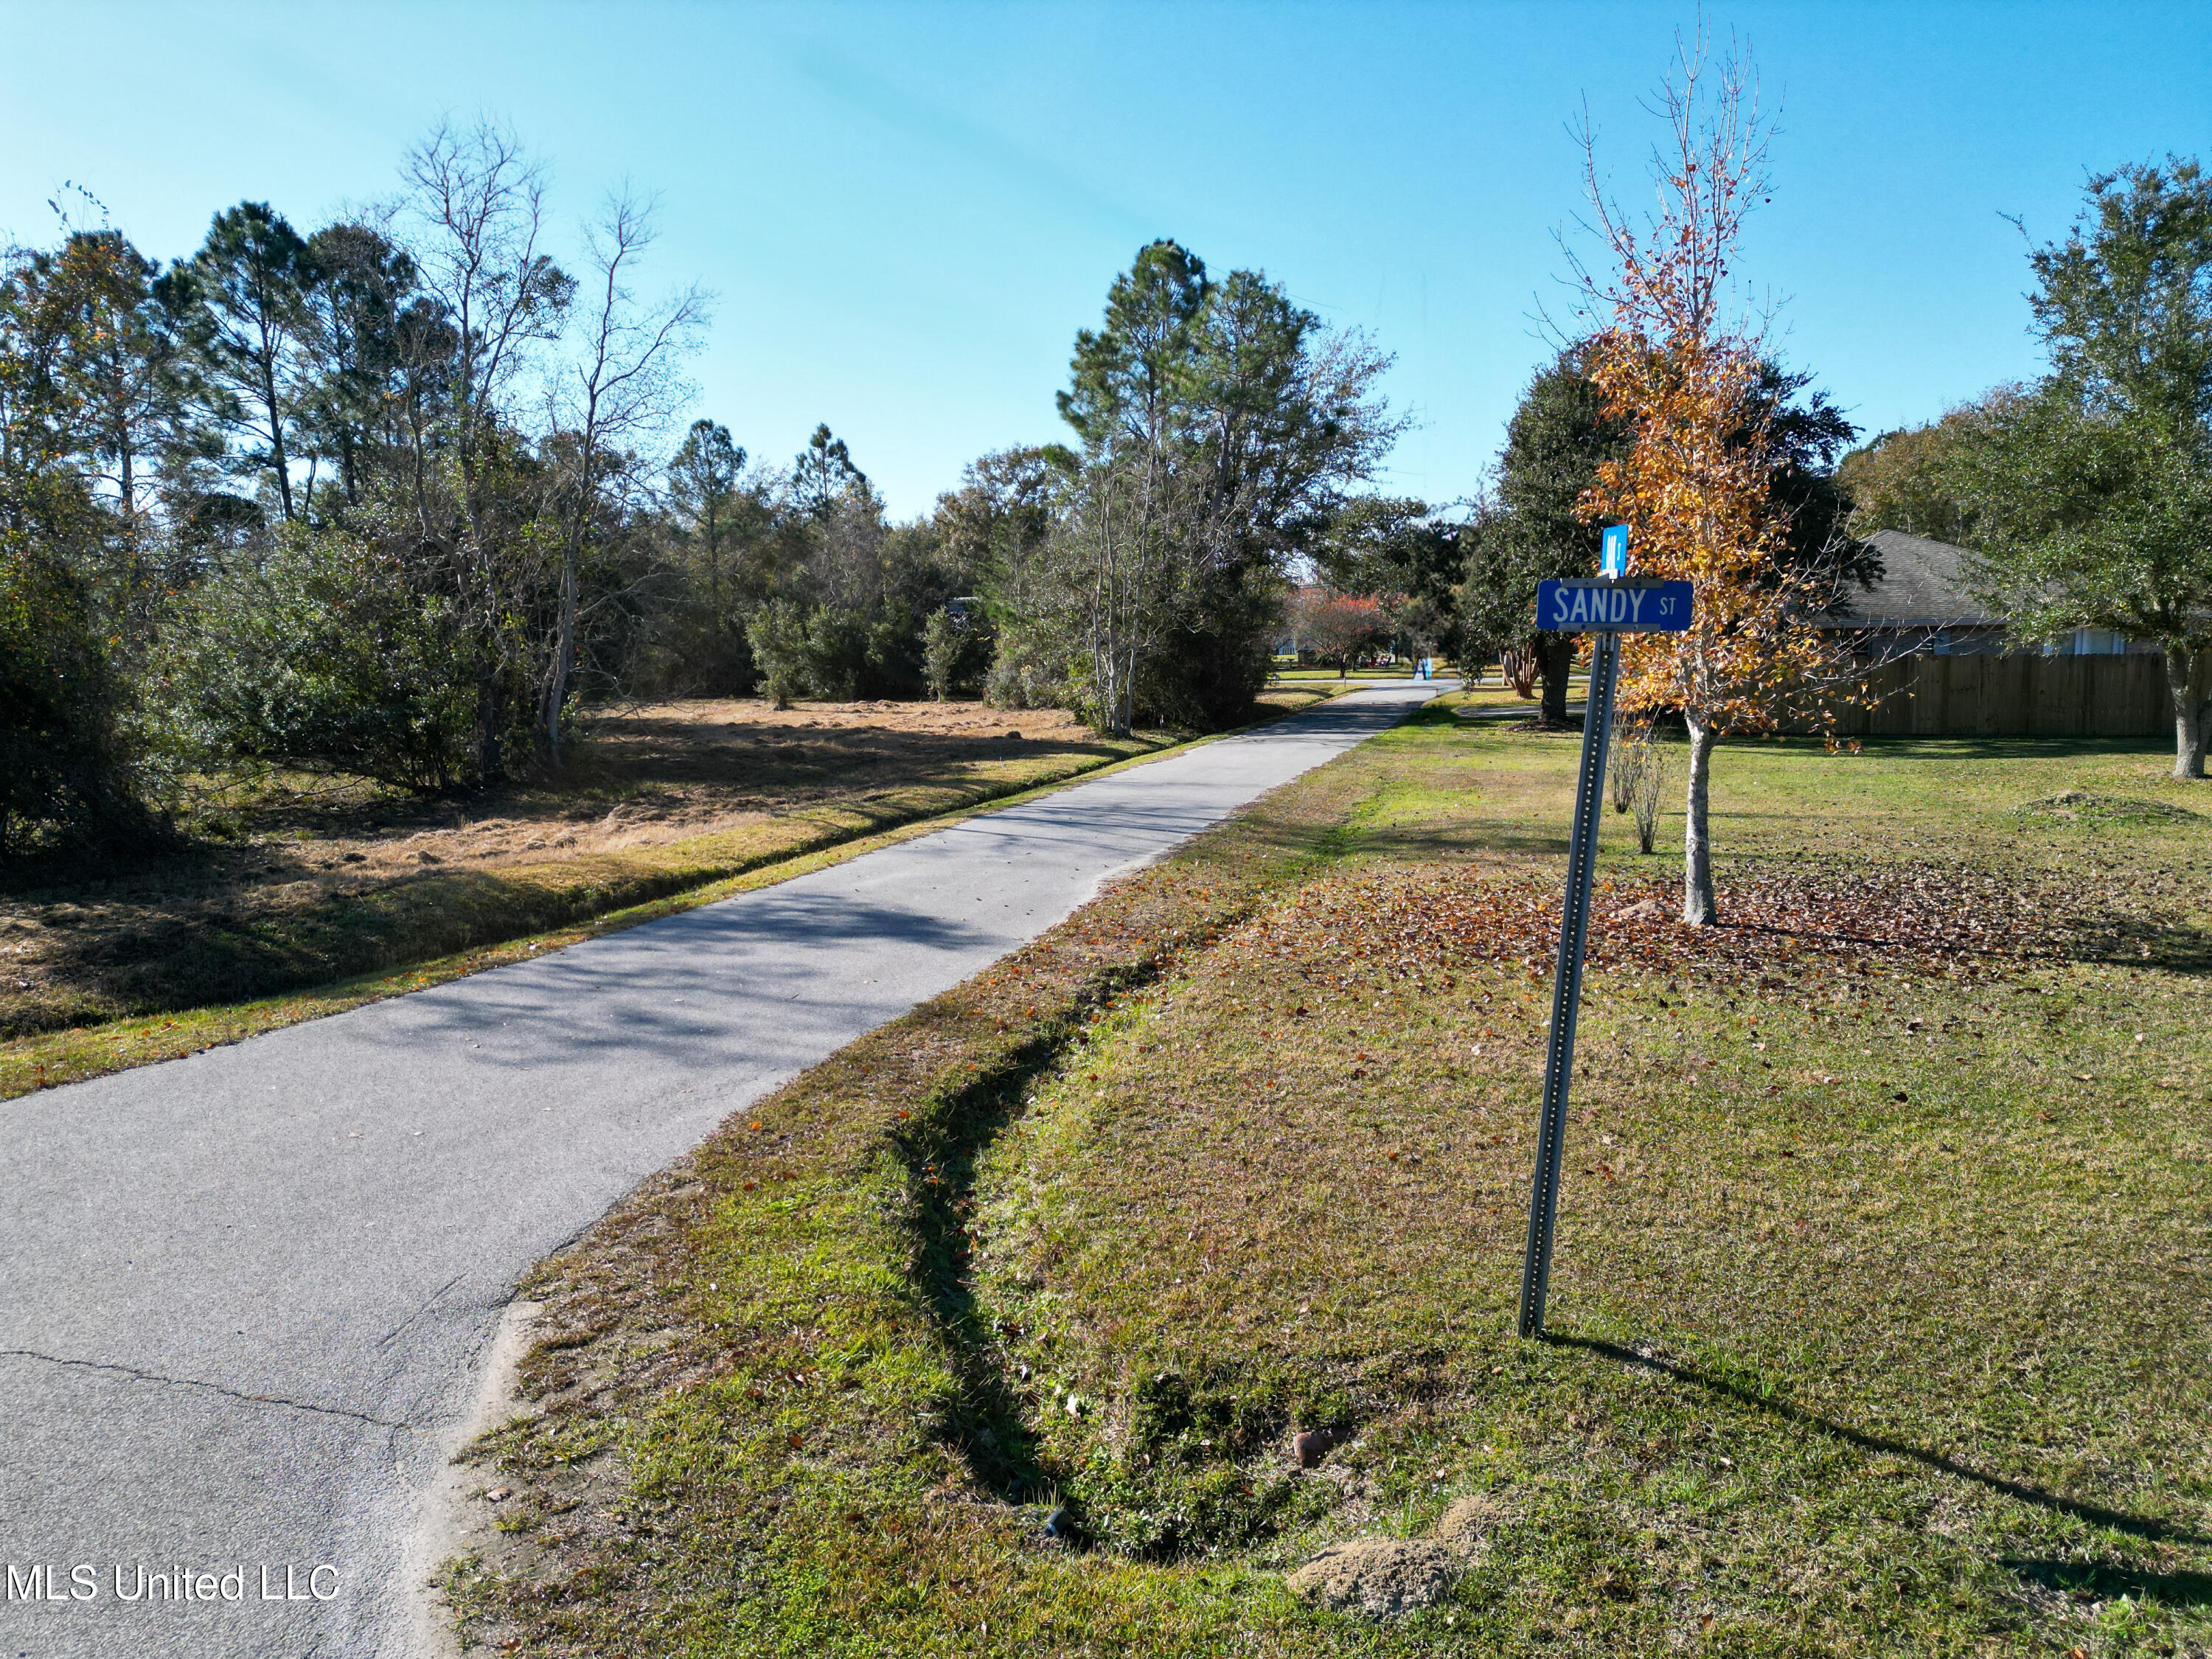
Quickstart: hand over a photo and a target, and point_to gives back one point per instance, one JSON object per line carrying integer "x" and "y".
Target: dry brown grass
{"x": 288, "y": 894}
{"x": 204, "y": 957}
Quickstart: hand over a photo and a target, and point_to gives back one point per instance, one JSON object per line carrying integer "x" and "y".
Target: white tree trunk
{"x": 563, "y": 655}
{"x": 2189, "y": 677}
{"x": 1699, "y": 909}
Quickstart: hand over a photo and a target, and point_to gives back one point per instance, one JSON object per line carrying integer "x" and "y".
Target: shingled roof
{"x": 1924, "y": 584}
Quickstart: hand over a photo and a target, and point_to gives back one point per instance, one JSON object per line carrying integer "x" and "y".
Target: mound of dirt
{"x": 2081, "y": 806}
{"x": 1378, "y": 1577}
{"x": 1382, "y": 1578}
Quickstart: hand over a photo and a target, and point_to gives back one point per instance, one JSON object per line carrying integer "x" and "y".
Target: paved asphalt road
{"x": 243, "y": 1296}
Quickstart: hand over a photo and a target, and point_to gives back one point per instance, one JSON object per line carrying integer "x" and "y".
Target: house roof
{"x": 1924, "y": 584}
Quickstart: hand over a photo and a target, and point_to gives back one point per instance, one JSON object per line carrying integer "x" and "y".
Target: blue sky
{"x": 907, "y": 210}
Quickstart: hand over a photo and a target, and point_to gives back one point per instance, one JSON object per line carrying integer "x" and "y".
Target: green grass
{"x": 1878, "y": 1318}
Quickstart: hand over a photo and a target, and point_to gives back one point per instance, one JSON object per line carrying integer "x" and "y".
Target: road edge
{"x": 441, "y": 1526}
{"x": 441, "y": 1535}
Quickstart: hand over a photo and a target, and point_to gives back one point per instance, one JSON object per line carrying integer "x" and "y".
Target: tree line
{"x": 403, "y": 496}
{"x": 394, "y": 497}
{"x": 2081, "y": 495}
{"x": 366, "y": 498}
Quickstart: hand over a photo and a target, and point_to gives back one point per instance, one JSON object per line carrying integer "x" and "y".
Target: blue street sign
{"x": 1602, "y": 607}
{"x": 1612, "y": 558}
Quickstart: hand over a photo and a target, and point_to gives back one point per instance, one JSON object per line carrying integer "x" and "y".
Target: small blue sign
{"x": 1612, "y": 558}
{"x": 1603, "y": 607}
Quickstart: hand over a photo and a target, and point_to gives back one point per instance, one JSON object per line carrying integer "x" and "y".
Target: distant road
{"x": 243, "y": 1296}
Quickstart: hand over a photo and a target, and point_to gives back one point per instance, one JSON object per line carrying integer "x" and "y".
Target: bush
{"x": 1639, "y": 780}
{"x": 1201, "y": 673}
{"x": 839, "y": 651}
{"x": 64, "y": 776}
{"x": 1206, "y": 671}
{"x": 955, "y": 653}
{"x": 777, "y": 634}
{"x": 324, "y": 655}
{"x": 863, "y": 651}
{"x": 940, "y": 653}
{"x": 1024, "y": 675}
{"x": 1205, "y": 681}
{"x": 692, "y": 653}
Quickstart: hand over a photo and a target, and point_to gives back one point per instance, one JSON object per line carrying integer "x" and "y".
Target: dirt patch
{"x": 2079, "y": 806}
{"x": 1382, "y": 1578}
{"x": 458, "y": 1515}
{"x": 1378, "y": 1577}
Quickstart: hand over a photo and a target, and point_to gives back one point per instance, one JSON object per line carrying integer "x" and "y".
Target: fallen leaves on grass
{"x": 1421, "y": 922}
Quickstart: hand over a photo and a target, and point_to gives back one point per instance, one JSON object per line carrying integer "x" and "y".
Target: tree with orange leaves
{"x": 1677, "y": 353}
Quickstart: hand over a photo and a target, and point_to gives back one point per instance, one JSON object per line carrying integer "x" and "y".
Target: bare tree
{"x": 476, "y": 203}
{"x": 622, "y": 389}
{"x": 473, "y": 216}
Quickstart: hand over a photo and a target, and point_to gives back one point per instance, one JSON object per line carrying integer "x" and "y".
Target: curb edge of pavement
{"x": 439, "y": 1530}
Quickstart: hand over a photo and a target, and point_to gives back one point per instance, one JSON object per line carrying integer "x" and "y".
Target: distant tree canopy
{"x": 1534, "y": 525}
{"x": 1531, "y": 529}
{"x": 1908, "y": 479}
{"x": 1220, "y": 430}
{"x": 404, "y": 497}
{"x": 1404, "y": 556}
{"x": 2090, "y": 491}
{"x": 1337, "y": 627}
{"x": 392, "y": 498}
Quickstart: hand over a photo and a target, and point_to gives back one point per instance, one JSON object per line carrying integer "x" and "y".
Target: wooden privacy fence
{"x": 2025, "y": 695}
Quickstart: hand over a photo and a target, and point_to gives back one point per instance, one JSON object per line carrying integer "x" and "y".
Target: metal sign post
{"x": 1607, "y": 609}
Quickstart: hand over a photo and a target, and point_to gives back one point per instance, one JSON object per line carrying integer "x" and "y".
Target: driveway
{"x": 244, "y": 1295}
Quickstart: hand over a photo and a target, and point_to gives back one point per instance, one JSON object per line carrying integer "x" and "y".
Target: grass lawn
{"x": 1879, "y": 1316}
